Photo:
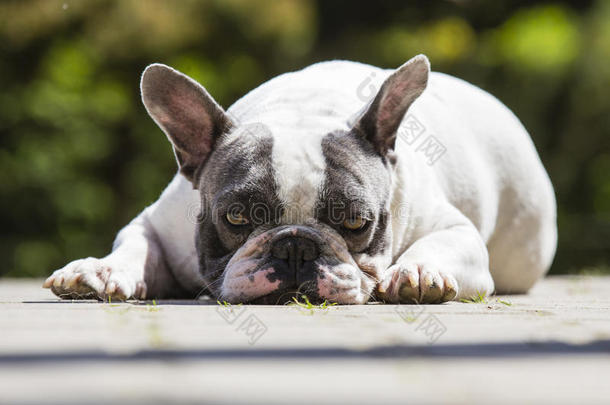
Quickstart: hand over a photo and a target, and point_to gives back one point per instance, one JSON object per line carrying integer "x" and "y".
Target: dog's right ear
{"x": 188, "y": 115}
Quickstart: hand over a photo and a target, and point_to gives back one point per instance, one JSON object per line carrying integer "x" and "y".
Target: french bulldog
{"x": 343, "y": 182}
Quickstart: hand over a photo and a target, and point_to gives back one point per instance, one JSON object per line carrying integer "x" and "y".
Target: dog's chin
{"x": 284, "y": 297}
{"x": 292, "y": 296}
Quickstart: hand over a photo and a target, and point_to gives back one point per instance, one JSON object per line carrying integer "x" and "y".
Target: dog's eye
{"x": 236, "y": 218}
{"x": 354, "y": 224}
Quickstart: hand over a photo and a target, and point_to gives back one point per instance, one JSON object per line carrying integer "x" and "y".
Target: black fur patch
{"x": 357, "y": 182}
{"x": 238, "y": 175}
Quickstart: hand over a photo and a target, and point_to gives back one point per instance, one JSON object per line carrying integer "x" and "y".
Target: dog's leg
{"x": 134, "y": 269}
{"x": 447, "y": 263}
{"x": 147, "y": 255}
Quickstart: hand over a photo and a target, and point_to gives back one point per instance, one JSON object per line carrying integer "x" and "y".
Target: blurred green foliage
{"x": 79, "y": 157}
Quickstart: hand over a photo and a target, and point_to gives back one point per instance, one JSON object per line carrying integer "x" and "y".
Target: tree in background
{"x": 79, "y": 156}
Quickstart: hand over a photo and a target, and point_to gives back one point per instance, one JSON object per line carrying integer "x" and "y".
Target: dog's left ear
{"x": 382, "y": 118}
{"x": 188, "y": 115}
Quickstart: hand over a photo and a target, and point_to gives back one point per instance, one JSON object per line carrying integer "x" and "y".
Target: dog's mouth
{"x": 341, "y": 283}
{"x": 284, "y": 264}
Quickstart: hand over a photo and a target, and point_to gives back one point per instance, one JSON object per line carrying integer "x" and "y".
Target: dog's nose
{"x": 295, "y": 250}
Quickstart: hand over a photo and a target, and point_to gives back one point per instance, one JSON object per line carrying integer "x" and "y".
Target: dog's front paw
{"x": 94, "y": 278}
{"x": 417, "y": 283}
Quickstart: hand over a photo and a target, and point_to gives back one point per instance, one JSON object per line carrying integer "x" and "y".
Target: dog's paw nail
{"x": 140, "y": 290}
{"x": 74, "y": 280}
{"x": 428, "y": 280}
{"x": 413, "y": 282}
{"x": 111, "y": 287}
{"x": 58, "y": 281}
{"x": 451, "y": 288}
{"x": 48, "y": 282}
{"x": 385, "y": 284}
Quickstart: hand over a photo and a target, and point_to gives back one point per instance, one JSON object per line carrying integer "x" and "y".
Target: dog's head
{"x": 287, "y": 207}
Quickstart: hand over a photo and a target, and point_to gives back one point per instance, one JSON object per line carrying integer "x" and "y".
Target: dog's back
{"x": 510, "y": 197}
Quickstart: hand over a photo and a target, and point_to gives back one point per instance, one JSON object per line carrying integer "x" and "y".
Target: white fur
{"x": 487, "y": 194}
{"x": 299, "y": 173}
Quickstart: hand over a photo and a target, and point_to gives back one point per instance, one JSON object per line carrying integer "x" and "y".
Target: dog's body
{"x": 459, "y": 202}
